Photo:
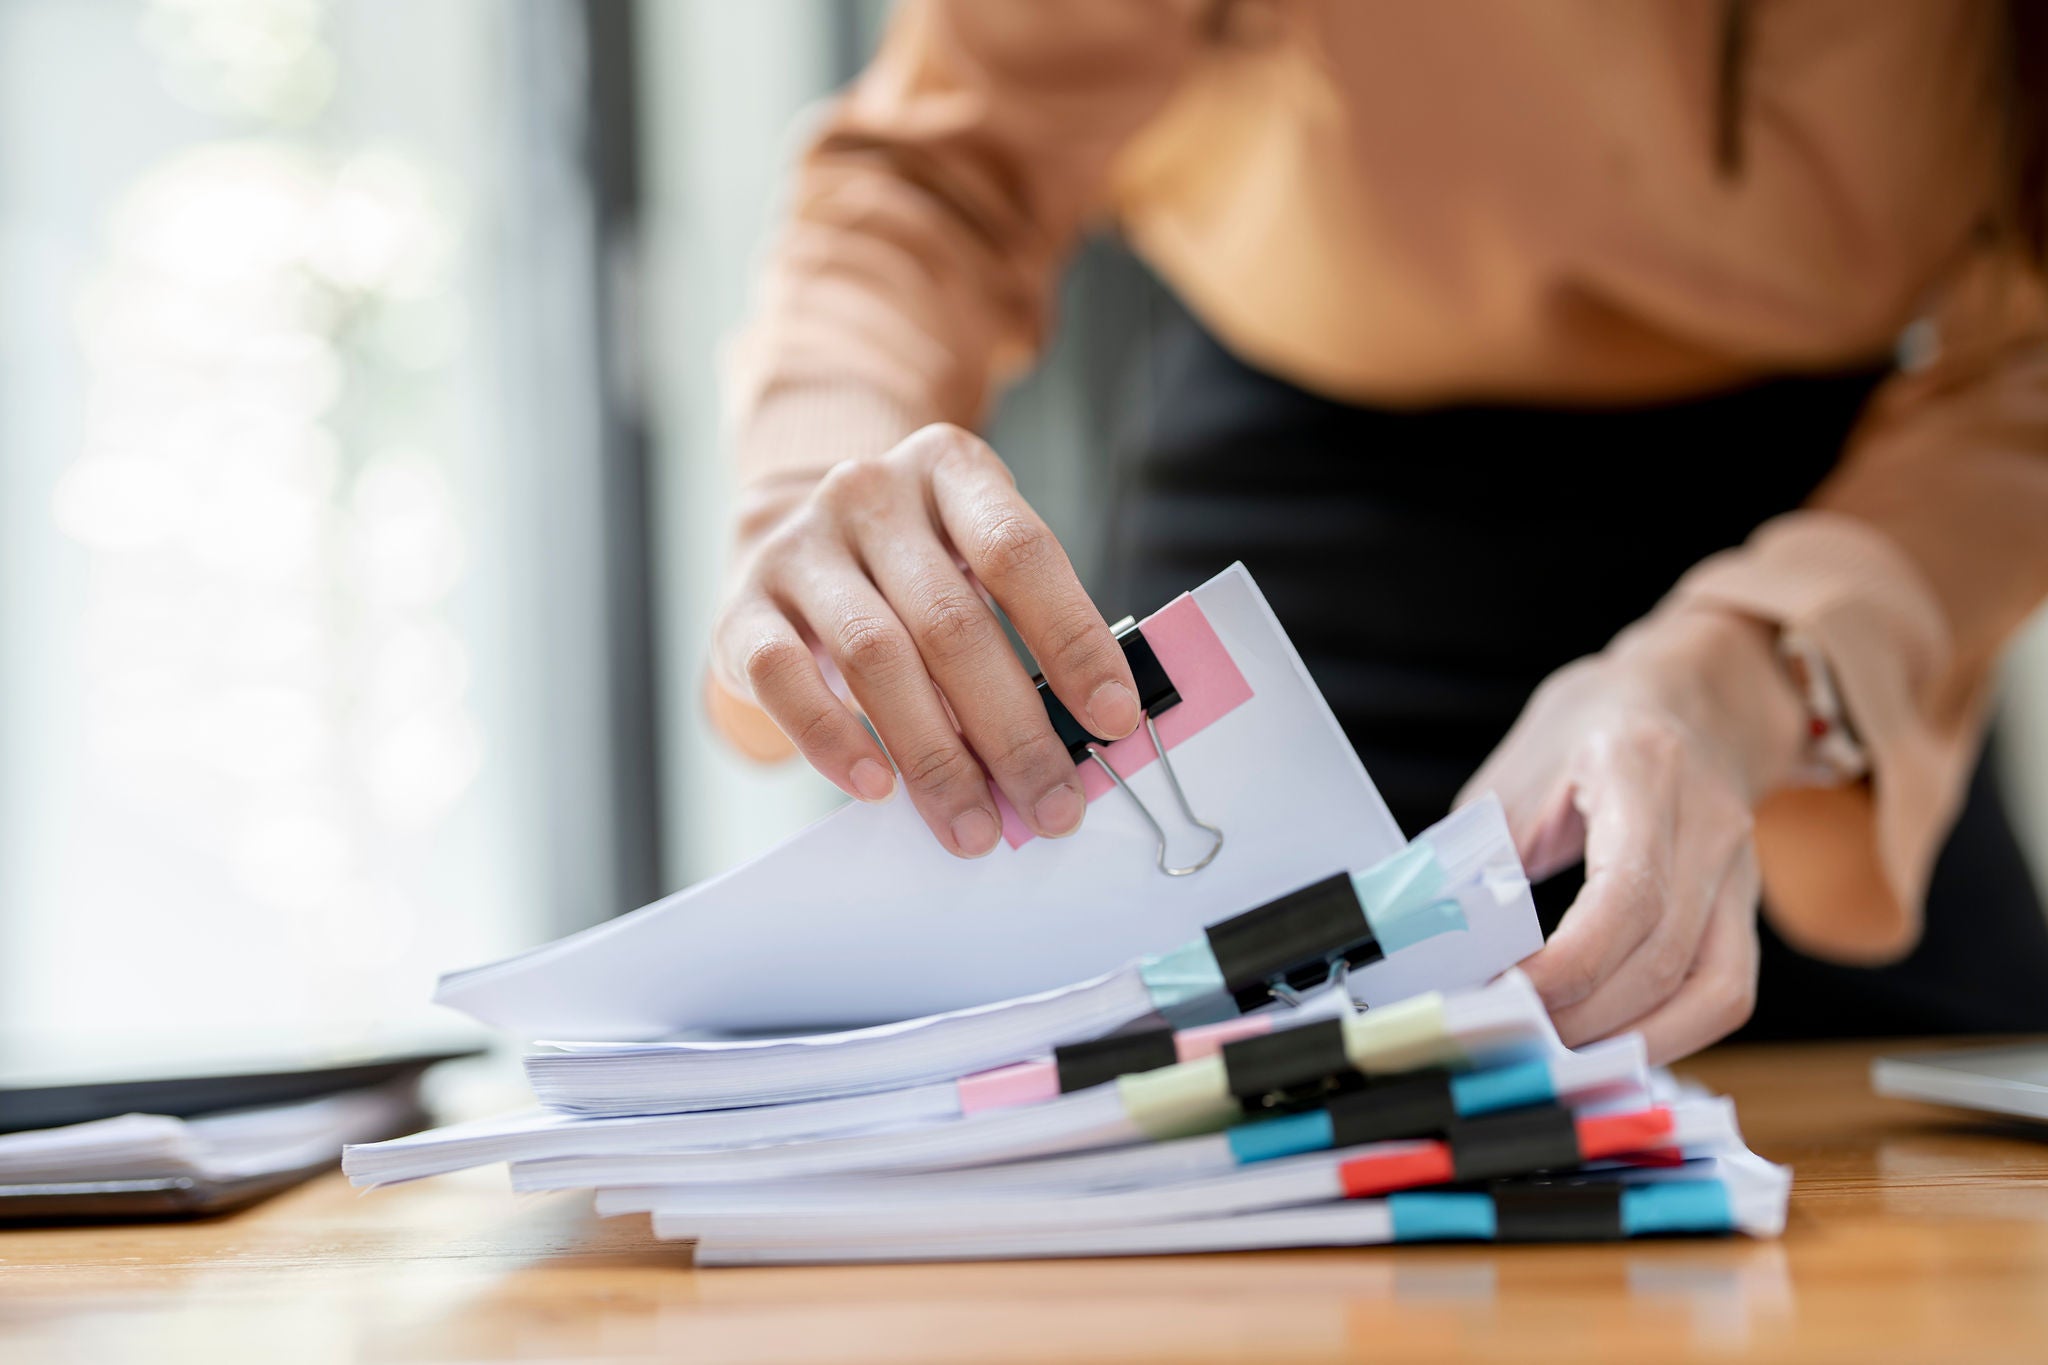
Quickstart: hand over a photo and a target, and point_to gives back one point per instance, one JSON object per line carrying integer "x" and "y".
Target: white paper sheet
{"x": 228, "y": 1146}
{"x": 863, "y": 918}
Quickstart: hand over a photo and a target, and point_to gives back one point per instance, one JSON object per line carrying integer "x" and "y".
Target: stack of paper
{"x": 1738, "y": 1192}
{"x": 1319, "y": 1039}
{"x": 1239, "y": 1145}
{"x": 863, "y": 919}
{"x": 143, "y": 1163}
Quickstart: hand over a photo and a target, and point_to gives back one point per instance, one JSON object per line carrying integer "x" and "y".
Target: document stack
{"x": 194, "y": 1127}
{"x": 1316, "y": 1036}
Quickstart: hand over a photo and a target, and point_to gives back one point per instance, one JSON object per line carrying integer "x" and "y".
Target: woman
{"x": 1537, "y": 344}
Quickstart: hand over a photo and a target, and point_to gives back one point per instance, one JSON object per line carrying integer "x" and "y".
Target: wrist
{"x": 762, "y": 505}
{"x": 789, "y": 437}
{"x": 794, "y": 433}
{"x": 1719, "y": 671}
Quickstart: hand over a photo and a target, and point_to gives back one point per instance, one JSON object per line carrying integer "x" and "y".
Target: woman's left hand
{"x": 1646, "y": 760}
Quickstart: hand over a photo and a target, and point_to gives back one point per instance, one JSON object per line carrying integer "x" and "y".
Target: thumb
{"x": 1543, "y": 818}
{"x": 1555, "y": 837}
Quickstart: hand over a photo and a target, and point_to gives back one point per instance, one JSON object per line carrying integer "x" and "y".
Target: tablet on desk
{"x": 1998, "y": 1080}
{"x": 49, "y": 1081}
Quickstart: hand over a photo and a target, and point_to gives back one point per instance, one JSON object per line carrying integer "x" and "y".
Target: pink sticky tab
{"x": 1009, "y": 1086}
{"x": 1210, "y": 688}
{"x": 1193, "y": 1044}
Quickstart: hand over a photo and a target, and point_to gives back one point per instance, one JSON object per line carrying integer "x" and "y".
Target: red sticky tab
{"x": 1618, "y": 1134}
{"x": 1210, "y": 687}
{"x": 1660, "y": 1156}
{"x": 1423, "y": 1163}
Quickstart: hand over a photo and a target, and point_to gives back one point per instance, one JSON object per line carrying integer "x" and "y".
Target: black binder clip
{"x": 1304, "y": 940}
{"x": 1156, "y": 693}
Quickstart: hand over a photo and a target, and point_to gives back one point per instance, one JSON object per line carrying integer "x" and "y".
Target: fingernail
{"x": 1060, "y": 810}
{"x": 1113, "y": 711}
{"x": 974, "y": 832}
{"x": 872, "y": 781}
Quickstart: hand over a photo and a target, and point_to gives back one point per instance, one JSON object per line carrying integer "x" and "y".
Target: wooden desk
{"x": 1914, "y": 1236}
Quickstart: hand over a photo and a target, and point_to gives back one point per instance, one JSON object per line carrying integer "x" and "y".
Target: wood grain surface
{"x": 1915, "y": 1235}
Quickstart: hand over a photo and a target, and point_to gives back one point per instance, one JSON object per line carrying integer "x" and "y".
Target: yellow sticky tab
{"x": 1405, "y": 1036}
{"x": 1181, "y": 1100}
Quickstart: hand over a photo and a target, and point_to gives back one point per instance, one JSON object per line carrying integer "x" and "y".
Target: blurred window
{"x": 309, "y": 643}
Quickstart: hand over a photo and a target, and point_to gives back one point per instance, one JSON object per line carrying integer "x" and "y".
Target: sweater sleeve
{"x": 1914, "y": 564}
{"x": 930, "y": 215}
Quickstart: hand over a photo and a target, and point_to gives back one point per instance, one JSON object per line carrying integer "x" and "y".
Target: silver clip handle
{"x": 1179, "y": 795}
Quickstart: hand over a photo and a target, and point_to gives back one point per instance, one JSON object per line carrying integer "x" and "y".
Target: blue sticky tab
{"x": 1501, "y": 1087}
{"x": 1286, "y": 1136}
{"x": 1441, "y": 1217}
{"x": 1182, "y": 977}
{"x": 1403, "y": 898}
{"x": 1676, "y": 1206}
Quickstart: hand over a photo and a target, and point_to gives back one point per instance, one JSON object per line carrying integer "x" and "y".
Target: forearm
{"x": 1961, "y": 490}
{"x": 929, "y": 218}
{"x": 1909, "y": 572}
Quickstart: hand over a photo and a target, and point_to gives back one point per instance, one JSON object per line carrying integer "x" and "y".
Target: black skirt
{"x": 1434, "y": 566}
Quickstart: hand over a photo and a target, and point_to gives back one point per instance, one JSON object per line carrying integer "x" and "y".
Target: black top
{"x": 1434, "y": 566}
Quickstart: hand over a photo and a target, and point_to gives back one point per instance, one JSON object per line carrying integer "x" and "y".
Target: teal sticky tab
{"x": 1676, "y": 1206}
{"x": 1411, "y": 924}
{"x": 1289, "y": 1135}
{"x": 1501, "y": 1087}
{"x": 1441, "y": 1217}
{"x": 1411, "y": 876}
{"x": 1181, "y": 977}
{"x": 1403, "y": 898}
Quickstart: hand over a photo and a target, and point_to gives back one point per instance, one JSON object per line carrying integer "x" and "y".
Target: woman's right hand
{"x": 864, "y": 568}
